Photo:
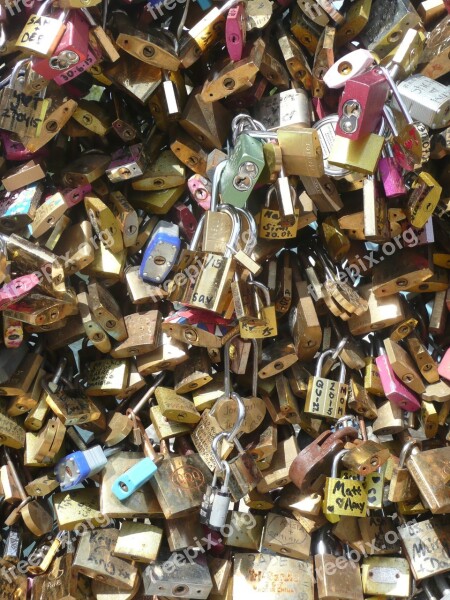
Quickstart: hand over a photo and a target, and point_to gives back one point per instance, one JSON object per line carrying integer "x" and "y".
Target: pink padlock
{"x": 71, "y": 50}
{"x": 66, "y": 76}
{"x": 14, "y": 150}
{"x": 393, "y": 388}
{"x": 235, "y": 32}
{"x": 444, "y": 366}
{"x": 17, "y": 289}
{"x": 349, "y": 66}
{"x": 200, "y": 189}
{"x": 391, "y": 174}
{"x": 76, "y": 195}
{"x": 361, "y": 105}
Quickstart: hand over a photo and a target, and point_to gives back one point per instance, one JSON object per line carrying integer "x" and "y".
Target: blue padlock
{"x": 161, "y": 252}
{"x": 134, "y": 478}
{"x": 77, "y": 466}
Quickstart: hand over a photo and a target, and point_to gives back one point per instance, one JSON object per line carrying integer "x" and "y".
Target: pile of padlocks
{"x": 224, "y": 285}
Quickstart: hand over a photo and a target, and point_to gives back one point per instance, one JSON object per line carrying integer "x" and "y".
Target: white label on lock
{"x": 384, "y": 574}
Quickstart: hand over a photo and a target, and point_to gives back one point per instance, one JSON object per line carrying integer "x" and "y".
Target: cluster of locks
{"x": 224, "y": 285}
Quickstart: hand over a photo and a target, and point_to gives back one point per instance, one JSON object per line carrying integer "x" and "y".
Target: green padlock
{"x": 242, "y": 171}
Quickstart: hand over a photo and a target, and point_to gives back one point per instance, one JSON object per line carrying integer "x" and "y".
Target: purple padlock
{"x": 391, "y": 175}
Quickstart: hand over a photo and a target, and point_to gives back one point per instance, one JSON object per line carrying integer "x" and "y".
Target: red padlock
{"x": 70, "y": 51}
{"x": 361, "y": 105}
{"x": 186, "y": 221}
{"x": 66, "y": 76}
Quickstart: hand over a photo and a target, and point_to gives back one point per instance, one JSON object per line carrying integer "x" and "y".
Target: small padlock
{"x": 235, "y": 31}
{"x": 327, "y": 398}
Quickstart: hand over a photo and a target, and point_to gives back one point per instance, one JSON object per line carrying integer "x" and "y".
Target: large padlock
{"x": 22, "y": 113}
{"x": 71, "y": 50}
{"x": 41, "y": 33}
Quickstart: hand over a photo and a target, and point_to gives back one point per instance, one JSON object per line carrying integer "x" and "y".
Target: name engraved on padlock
{"x": 202, "y": 438}
{"x": 271, "y": 228}
{"x": 345, "y": 497}
{"x": 328, "y": 398}
{"x": 250, "y": 330}
{"x": 188, "y": 477}
{"x": 272, "y": 577}
{"x": 427, "y": 545}
{"x": 21, "y": 110}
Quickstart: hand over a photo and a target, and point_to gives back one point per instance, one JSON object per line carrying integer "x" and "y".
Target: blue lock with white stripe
{"x": 161, "y": 252}
{"x": 77, "y": 466}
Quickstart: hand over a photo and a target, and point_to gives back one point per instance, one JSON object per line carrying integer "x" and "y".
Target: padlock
{"x": 189, "y": 477}
{"x": 423, "y": 199}
{"x": 156, "y": 50}
{"x": 235, "y": 32}
{"x": 425, "y": 468}
{"x": 101, "y": 543}
{"x": 22, "y": 113}
{"x": 71, "y": 49}
{"x": 294, "y": 58}
{"x": 242, "y": 170}
{"x": 77, "y": 466}
{"x": 284, "y": 110}
{"x": 380, "y": 573}
{"x": 343, "y": 497}
{"x": 135, "y": 477}
{"x": 324, "y": 397}
{"x": 160, "y": 253}
{"x": 349, "y": 67}
{"x": 390, "y": 174}
{"x": 361, "y": 105}
{"x": 72, "y": 407}
{"x": 403, "y": 366}
{"x": 41, "y": 34}
{"x": 402, "y": 486}
{"x": 332, "y": 582}
{"x": 393, "y": 388}
{"x": 318, "y": 456}
{"x": 426, "y": 100}
{"x": 309, "y": 162}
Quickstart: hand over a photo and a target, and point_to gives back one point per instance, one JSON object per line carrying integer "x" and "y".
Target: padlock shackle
{"x": 215, "y": 448}
{"x": 235, "y": 228}
{"x": 226, "y": 369}
{"x": 197, "y": 235}
{"x": 216, "y": 185}
{"x": 12, "y": 77}
{"x": 336, "y": 461}
{"x": 383, "y": 71}
{"x": 232, "y": 434}
{"x": 263, "y": 288}
{"x": 146, "y": 397}
{"x": 243, "y": 123}
{"x": 253, "y": 232}
{"x": 331, "y": 353}
{"x": 406, "y": 451}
